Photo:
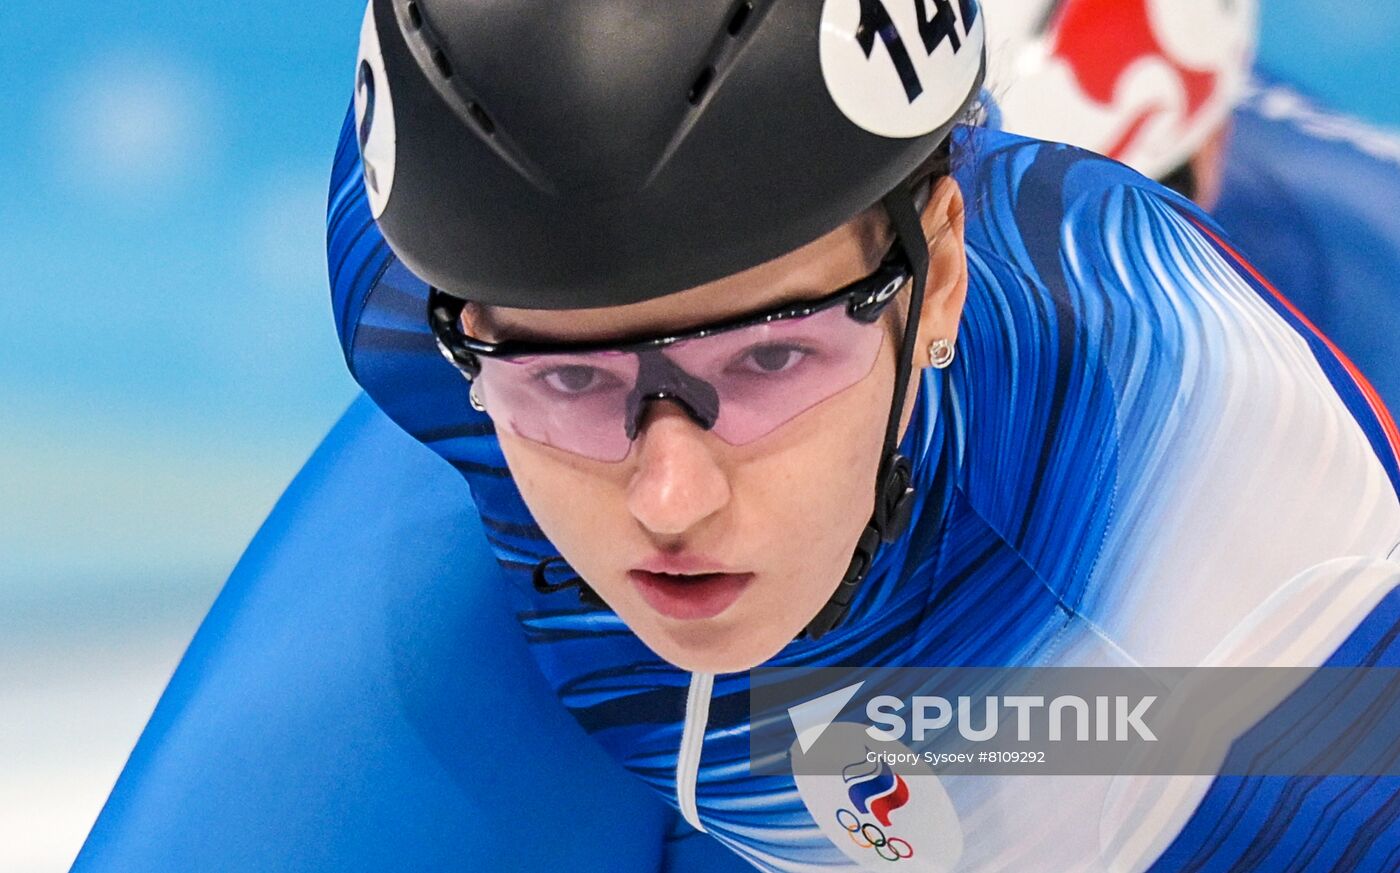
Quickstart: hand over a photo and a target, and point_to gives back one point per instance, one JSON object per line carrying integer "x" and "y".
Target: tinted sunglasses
{"x": 740, "y": 379}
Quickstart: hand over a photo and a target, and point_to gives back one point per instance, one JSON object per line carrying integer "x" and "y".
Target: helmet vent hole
{"x": 440, "y": 61}
{"x": 482, "y": 120}
{"x": 701, "y": 85}
{"x": 740, "y": 17}
{"x": 414, "y": 16}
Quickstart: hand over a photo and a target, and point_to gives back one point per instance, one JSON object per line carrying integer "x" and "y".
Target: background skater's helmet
{"x": 1146, "y": 82}
{"x": 582, "y": 153}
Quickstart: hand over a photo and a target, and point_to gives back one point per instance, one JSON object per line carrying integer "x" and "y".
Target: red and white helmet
{"x": 1144, "y": 81}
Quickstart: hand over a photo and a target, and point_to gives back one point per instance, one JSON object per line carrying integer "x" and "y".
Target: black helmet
{"x": 584, "y": 153}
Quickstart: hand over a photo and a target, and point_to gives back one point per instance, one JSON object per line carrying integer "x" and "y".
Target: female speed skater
{"x": 702, "y": 338}
{"x": 1166, "y": 86}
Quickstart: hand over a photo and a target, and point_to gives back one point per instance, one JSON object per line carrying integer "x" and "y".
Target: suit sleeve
{"x": 360, "y": 698}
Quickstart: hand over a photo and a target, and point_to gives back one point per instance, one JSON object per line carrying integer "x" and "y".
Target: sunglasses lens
{"x": 769, "y": 374}
{"x": 577, "y": 403}
{"x": 763, "y": 375}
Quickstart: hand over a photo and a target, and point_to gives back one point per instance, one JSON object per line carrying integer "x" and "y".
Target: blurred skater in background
{"x": 1307, "y": 193}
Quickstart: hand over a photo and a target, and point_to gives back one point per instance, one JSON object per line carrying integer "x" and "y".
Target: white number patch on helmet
{"x": 374, "y": 116}
{"x": 900, "y": 68}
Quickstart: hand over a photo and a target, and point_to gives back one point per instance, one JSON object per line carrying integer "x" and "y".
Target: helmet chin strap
{"x": 893, "y": 492}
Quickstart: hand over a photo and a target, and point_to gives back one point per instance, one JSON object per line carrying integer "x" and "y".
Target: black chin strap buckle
{"x": 540, "y": 580}
{"x": 894, "y": 502}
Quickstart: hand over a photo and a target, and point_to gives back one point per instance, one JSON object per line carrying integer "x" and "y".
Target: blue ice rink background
{"x": 167, "y": 359}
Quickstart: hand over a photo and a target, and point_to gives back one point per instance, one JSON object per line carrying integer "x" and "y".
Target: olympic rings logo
{"x": 869, "y": 836}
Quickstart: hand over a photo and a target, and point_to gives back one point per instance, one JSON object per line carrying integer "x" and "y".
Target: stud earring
{"x": 941, "y": 353}
{"x": 476, "y": 401}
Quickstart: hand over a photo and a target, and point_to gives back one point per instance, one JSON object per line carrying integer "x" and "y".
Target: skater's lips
{"x": 689, "y": 596}
{"x": 684, "y": 564}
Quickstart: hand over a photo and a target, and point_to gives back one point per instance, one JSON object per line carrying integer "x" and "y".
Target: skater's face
{"x": 717, "y": 554}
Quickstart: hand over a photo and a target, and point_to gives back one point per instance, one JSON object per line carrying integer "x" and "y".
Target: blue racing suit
{"x": 1142, "y": 456}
